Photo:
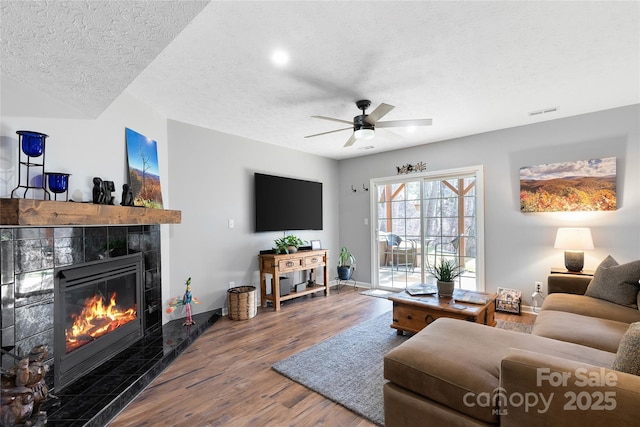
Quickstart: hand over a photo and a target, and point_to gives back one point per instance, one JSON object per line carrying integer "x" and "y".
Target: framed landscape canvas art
{"x": 144, "y": 175}
{"x": 583, "y": 185}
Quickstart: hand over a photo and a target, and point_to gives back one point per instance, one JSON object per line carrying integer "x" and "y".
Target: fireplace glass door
{"x": 97, "y": 308}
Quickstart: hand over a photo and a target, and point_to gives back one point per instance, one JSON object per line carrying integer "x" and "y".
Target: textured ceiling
{"x": 470, "y": 66}
{"x": 85, "y": 53}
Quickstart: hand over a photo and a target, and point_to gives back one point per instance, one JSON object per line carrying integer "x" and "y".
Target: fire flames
{"x": 95, "y": 320}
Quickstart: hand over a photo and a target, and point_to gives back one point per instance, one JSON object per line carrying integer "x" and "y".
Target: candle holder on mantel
{"x": 32, "y": 148}
{"x": 58, "y": 183}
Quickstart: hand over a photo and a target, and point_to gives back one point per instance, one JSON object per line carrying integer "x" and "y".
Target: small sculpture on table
{"x": 186, "y": 301}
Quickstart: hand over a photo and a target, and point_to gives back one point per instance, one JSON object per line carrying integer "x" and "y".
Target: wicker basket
{"x": 242, "y": 302}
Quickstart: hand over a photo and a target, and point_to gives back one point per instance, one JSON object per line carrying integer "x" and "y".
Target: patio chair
{"x": 400, "y": 252}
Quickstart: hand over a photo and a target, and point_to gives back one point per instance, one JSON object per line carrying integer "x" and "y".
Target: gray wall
{"x": 208, "y": 176}
{"x": 518, "y": 247}
{"x": 212, "y": 182}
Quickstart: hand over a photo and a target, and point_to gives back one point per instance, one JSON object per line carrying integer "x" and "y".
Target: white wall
{"x": 212, "y": 183}
{"x": 89, "y": 148}
{"x": 518, "y": 247}
{"x": 85, "y": 148}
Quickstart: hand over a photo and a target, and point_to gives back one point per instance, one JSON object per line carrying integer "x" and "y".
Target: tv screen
{"x": 287, "y": 204}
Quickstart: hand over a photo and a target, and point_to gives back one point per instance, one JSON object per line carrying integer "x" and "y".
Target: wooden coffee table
{"x": 412, "y": 313}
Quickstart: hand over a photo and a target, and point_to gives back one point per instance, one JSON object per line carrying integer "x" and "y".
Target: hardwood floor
{"x": 225, "y": 377}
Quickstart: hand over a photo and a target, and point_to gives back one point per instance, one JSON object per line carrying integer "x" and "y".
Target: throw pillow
{"x": 616, "y": 283}
{"x": 628, "y": 355}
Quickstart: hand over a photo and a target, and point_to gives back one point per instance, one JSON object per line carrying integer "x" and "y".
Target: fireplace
{"x": 30, "y": 260}
{"x": 97, "y": 314}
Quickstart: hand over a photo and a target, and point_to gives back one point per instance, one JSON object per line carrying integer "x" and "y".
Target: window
{"x": 423, "y": 218}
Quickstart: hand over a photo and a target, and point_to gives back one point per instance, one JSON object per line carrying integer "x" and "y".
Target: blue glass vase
{"x": 58, "y": 183}
{"x": 32, "y": 142}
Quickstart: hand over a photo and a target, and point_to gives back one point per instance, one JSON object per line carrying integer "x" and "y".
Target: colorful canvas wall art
{"x": 144, "y": 175}
{"x": 583, "y": 185}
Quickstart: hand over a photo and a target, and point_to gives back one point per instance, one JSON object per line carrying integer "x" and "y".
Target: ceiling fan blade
{"x": 331, "y": 131}
{"x": 351, "y": 141}
{"x": 378, "y": 113}
{"x": 400, "y": 123}
{"x": 333, "y": 120}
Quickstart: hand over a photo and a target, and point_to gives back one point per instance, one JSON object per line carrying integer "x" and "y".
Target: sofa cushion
{"x": 628, "y": 356}
{"x": 588, "y": 306}
{"x": 603, "y": 334}
{"x": 616, "y": 283}
{"x": 568, "y": 283}
{"x": 451, "y": 360}
{"x": 576, "y": 394}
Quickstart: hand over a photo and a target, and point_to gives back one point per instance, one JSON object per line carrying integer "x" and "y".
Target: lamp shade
{"x": 573, "y": 239}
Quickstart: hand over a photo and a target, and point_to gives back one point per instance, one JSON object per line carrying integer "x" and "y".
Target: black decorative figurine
{"x": 127, "y": 195}
{"x": 98, "y": 191}
{"x": 102, "y": 192}
{"x": 108, "y": 187}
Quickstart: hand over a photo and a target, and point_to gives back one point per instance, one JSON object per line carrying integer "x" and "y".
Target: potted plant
{"x": 346, "y": 264}
{"x": 445, "y": 272}
{"x": 288, "y": 244}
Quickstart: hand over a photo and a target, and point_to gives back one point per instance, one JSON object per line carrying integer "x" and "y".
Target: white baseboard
{"x": 334, "y": 283}
{"x": 529, "y": 309}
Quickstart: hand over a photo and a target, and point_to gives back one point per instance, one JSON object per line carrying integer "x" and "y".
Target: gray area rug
{"x": 514, "y": 326}
{"x": 348, "y": 367}
{"x": 377, "y": 293}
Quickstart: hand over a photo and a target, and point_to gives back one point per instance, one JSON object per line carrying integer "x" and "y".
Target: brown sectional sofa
{"x": 455, "y": 373}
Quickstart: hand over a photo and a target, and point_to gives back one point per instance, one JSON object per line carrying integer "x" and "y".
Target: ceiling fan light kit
{"x": 364, "y": 125}
{"x": 362, "y": 128}
{"x": 364, "y": 133}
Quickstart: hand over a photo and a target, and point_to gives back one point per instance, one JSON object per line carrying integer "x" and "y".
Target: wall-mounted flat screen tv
{"x": 287, "y": 204}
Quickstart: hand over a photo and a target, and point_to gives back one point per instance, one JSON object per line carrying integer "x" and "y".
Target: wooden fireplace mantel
{"x": 29, "y": 212}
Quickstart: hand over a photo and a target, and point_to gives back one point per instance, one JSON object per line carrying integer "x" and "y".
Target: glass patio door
{"x": 423, "y": 219}
{"x": 399, "y": 232}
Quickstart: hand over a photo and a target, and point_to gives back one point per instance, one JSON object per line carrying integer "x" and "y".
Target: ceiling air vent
{"x": 543, "y": 111}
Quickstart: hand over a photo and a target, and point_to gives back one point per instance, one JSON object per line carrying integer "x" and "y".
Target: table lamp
{"x": 574, "y": 241}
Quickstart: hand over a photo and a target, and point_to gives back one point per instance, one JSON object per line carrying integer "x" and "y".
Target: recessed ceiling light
{"x": 280, "y": 58}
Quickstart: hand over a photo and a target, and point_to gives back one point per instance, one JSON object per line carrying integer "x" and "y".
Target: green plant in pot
{"x": 288, "y": 244}
{"x": 445, "y": 273}
{"x": 346, "y": 264}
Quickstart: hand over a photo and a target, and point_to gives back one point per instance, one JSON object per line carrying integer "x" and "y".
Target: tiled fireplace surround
{"x": 28, "y": 258}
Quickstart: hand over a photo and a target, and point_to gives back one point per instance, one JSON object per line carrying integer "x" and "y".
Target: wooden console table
{"x": 285, "y": 263}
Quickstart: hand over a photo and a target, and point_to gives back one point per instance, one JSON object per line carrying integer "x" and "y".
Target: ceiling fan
{"x": 364, "y": 125}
